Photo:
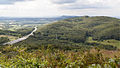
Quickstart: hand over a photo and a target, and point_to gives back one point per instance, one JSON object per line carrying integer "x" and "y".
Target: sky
{"x": 49, "y": 8}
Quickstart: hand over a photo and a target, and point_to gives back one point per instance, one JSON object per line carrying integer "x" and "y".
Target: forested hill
{"x": 78, "y": 31}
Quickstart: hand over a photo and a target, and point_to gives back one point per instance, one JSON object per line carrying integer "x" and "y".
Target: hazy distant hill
{"x": 36, "y": 19}
{"x": 13, "y": 23}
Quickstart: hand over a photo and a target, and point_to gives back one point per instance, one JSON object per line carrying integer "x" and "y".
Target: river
{"x": 21, "y": 39}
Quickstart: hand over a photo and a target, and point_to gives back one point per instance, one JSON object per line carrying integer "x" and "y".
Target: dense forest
{"x": 79, "y": 42}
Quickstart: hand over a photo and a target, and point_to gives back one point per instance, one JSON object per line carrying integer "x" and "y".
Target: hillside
{"x": 80, "y": 42}
{"x": 75, "y": 33}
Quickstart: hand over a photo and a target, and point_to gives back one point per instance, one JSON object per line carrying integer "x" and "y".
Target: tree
{"x": 3, "y": 40}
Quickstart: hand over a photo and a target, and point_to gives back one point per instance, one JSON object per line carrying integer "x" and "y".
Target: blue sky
{"x": 45, "y": 8}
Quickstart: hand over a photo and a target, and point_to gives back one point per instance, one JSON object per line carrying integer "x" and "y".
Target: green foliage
{"x": 65, "y": 44}
{"x": 7, "y": 32}
{"x": 18, "y": 33}
{"x": 108, "y": 32}
{"x": 106, "y": 44}
{"x": 3, "y": 40}
{"x": 73, "y": 33}
{"x": 24, "y": 31}
{"x": 19, "y": 57}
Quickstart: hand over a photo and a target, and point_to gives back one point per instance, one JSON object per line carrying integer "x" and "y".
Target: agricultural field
{"x": 18, "y": 23}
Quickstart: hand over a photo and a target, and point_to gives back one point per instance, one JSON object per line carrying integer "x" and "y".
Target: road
{"x": 21, "y": 39}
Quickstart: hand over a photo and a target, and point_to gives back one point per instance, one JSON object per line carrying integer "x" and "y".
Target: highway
{"x": 21, "y": 39}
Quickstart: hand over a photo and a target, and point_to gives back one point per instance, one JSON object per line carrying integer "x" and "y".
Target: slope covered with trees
{"x": 74, "y": 32}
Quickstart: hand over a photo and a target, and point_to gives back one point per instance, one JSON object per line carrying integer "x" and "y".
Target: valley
{"x": 59, "y": 34}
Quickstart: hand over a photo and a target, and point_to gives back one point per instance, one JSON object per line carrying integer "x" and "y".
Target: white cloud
{"x": 41, "y": 8}
{"x": 37, "y": 8}
{"x": 92, "y": 7}
{"x": 63, "y": 1}
{"x": 10, "y": 1}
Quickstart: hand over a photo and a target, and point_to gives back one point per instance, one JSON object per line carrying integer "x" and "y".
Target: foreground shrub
{"x": 19, "y": 57}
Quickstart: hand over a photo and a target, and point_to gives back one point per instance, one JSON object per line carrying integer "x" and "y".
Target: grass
{"x": 11, "y": 38}
{"x": 105, "y": 42}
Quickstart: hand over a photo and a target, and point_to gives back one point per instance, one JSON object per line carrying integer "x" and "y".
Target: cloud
{"x": 63, "y": 1}
{"x": 83, "y": 4}
{"x": 35, "y": 8}
{"x": 11, "y": 1}
{"x": 44, "y": 8}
